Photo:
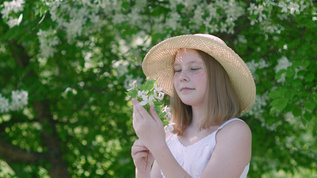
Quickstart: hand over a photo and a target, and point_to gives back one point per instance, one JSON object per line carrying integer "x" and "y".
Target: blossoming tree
{"x": 65, "y": 67}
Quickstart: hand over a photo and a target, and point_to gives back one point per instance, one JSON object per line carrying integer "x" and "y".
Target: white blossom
{"x": 223, "y": 27}
{"x": 268, "y": 27}
{"x": 139, "y": 80}
{"x": 132, "y": 85}
{"x": 253, "y": 66}
{"x": 214, "y": 28}
{"x": 173, "y": 20}
{"x": 190, "y": 4}
{"x": 142, "y": 93}
{"x": 234, "y": 11}
{"x": 252, "y": 8}
{"x": 147, "y": 100}
{"x": 241, "y": 39}
{"x": 48, "y": 41}
{"x": 15, "y": 6}
{"x": 168, "y": 114}
{"x": 293, "y": 7}
{"x": 19, "y": 99}
{"x": 158, "y": 95}
{"x": 198, "y": 14}
{"x": 282, "y": 63}
{"x": 121, "y": 67}
{"x": 14, "y": 22}
{"x": 212, "y": 11}
{"x": 221, "y": 3}
{"x": 156, "y": 88}
{"x": 257, "y": 10}
{"x": 169, "y": 127}
{"x": 127, "y": 81}
{"x": 77, "y": 18}
{"x": 118, "y": 18}
{"x": 283, "y": 5}
{"x": 134, "y": 18}
{"x": 4, "y": 104}
{"x": 303, "y": 6}
{"x": 257, "y": 108}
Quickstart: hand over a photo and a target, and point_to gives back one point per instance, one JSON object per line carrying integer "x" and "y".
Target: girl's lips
{"x": 186, "y": 89}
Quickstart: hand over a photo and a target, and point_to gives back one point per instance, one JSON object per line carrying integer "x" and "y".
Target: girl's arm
{"x": 230, "y": 157}
{"x": 142, "y": 159}
{"x": 232, "y": 152}
{"x": 156, "y": 171}
{"x": 150, "y": 130}
{"x": 167, "y": 163}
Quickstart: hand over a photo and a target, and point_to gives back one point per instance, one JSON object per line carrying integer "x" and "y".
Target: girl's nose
{"x": 183, "y": 76}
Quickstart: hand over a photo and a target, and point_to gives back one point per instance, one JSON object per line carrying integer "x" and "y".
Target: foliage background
{"x": 65, "y": 66}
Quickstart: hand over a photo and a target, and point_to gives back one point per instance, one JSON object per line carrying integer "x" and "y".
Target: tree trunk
{"x": 55, "y": 157}
{"x": 11, "y": 153}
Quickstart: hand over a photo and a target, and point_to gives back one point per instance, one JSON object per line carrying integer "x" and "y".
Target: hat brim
{"x": 158, "y": 64}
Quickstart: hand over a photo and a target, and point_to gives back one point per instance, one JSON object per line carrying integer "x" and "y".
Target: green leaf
{"x": 277, "y": 93}
{"x": 279, "y": 103}
{"x": 132, "y": 93}
{"x": 290, "y": 72}
{"x": 279, "y": 74}
{"x": 310, "y": 77}
{"x": 306, "y": 63}
{"x": 309, "y": 105}
{"x": 307, "y": 116}
{"x": 297, "y": 83}
{"x": 297, "y": 111}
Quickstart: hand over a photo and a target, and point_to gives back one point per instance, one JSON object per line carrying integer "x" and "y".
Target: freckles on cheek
{"x": 200, "y": 76}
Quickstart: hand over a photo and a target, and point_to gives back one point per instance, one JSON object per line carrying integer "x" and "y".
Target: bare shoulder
{"x": 235, "y": 129}
{"x": 232, "y": 152}
{"x": 236, "y": 134}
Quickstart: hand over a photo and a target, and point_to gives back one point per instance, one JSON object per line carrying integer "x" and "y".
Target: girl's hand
{"x": 142, "y": 158}
{"x": 149, "y": 128}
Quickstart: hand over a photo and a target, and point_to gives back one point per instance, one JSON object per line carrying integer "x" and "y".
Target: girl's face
{"x": 190, "y": 78}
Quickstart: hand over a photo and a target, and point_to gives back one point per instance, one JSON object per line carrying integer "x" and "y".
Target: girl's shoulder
{"x": 234, "y": 128}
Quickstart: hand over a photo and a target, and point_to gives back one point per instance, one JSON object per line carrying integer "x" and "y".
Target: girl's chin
{"x": 191, "y": 98}
{"x": 189, "y": 101}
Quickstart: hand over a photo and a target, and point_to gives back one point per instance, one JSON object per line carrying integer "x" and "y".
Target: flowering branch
{"x": 149, "y": 94}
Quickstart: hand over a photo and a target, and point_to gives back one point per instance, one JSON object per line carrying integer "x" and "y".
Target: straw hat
{"x": 158, "y": 64}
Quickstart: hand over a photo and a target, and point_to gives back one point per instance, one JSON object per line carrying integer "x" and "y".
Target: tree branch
{"x": 13, "y": 153}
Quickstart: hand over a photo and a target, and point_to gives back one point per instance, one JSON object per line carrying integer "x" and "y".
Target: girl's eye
{"x": 194, "y": 68}
{"x": 178, "y": 70}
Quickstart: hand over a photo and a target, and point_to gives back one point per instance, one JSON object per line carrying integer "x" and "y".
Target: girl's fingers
{"x": 139, "y": 151}
{"x": 136, "y": 114}
{"x": 138, "y": 147}
{"x": 140, "y": 155}
{"x": 154, "y": 114}
{"x": 139, "y": 109}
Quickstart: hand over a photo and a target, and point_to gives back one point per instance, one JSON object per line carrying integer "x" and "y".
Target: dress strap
{"x": 227, "y": 122}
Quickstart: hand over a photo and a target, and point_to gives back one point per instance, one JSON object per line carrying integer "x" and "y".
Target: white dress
{"x": 194, "y": 158}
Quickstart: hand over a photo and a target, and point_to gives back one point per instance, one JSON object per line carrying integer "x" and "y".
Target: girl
{"x": 210, "y": 86}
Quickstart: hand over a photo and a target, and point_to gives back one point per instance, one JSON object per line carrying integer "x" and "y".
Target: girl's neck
{"x": 198, "y": 116}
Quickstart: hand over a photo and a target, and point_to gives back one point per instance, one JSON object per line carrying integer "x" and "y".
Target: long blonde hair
{"x": 222, "y": 103}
